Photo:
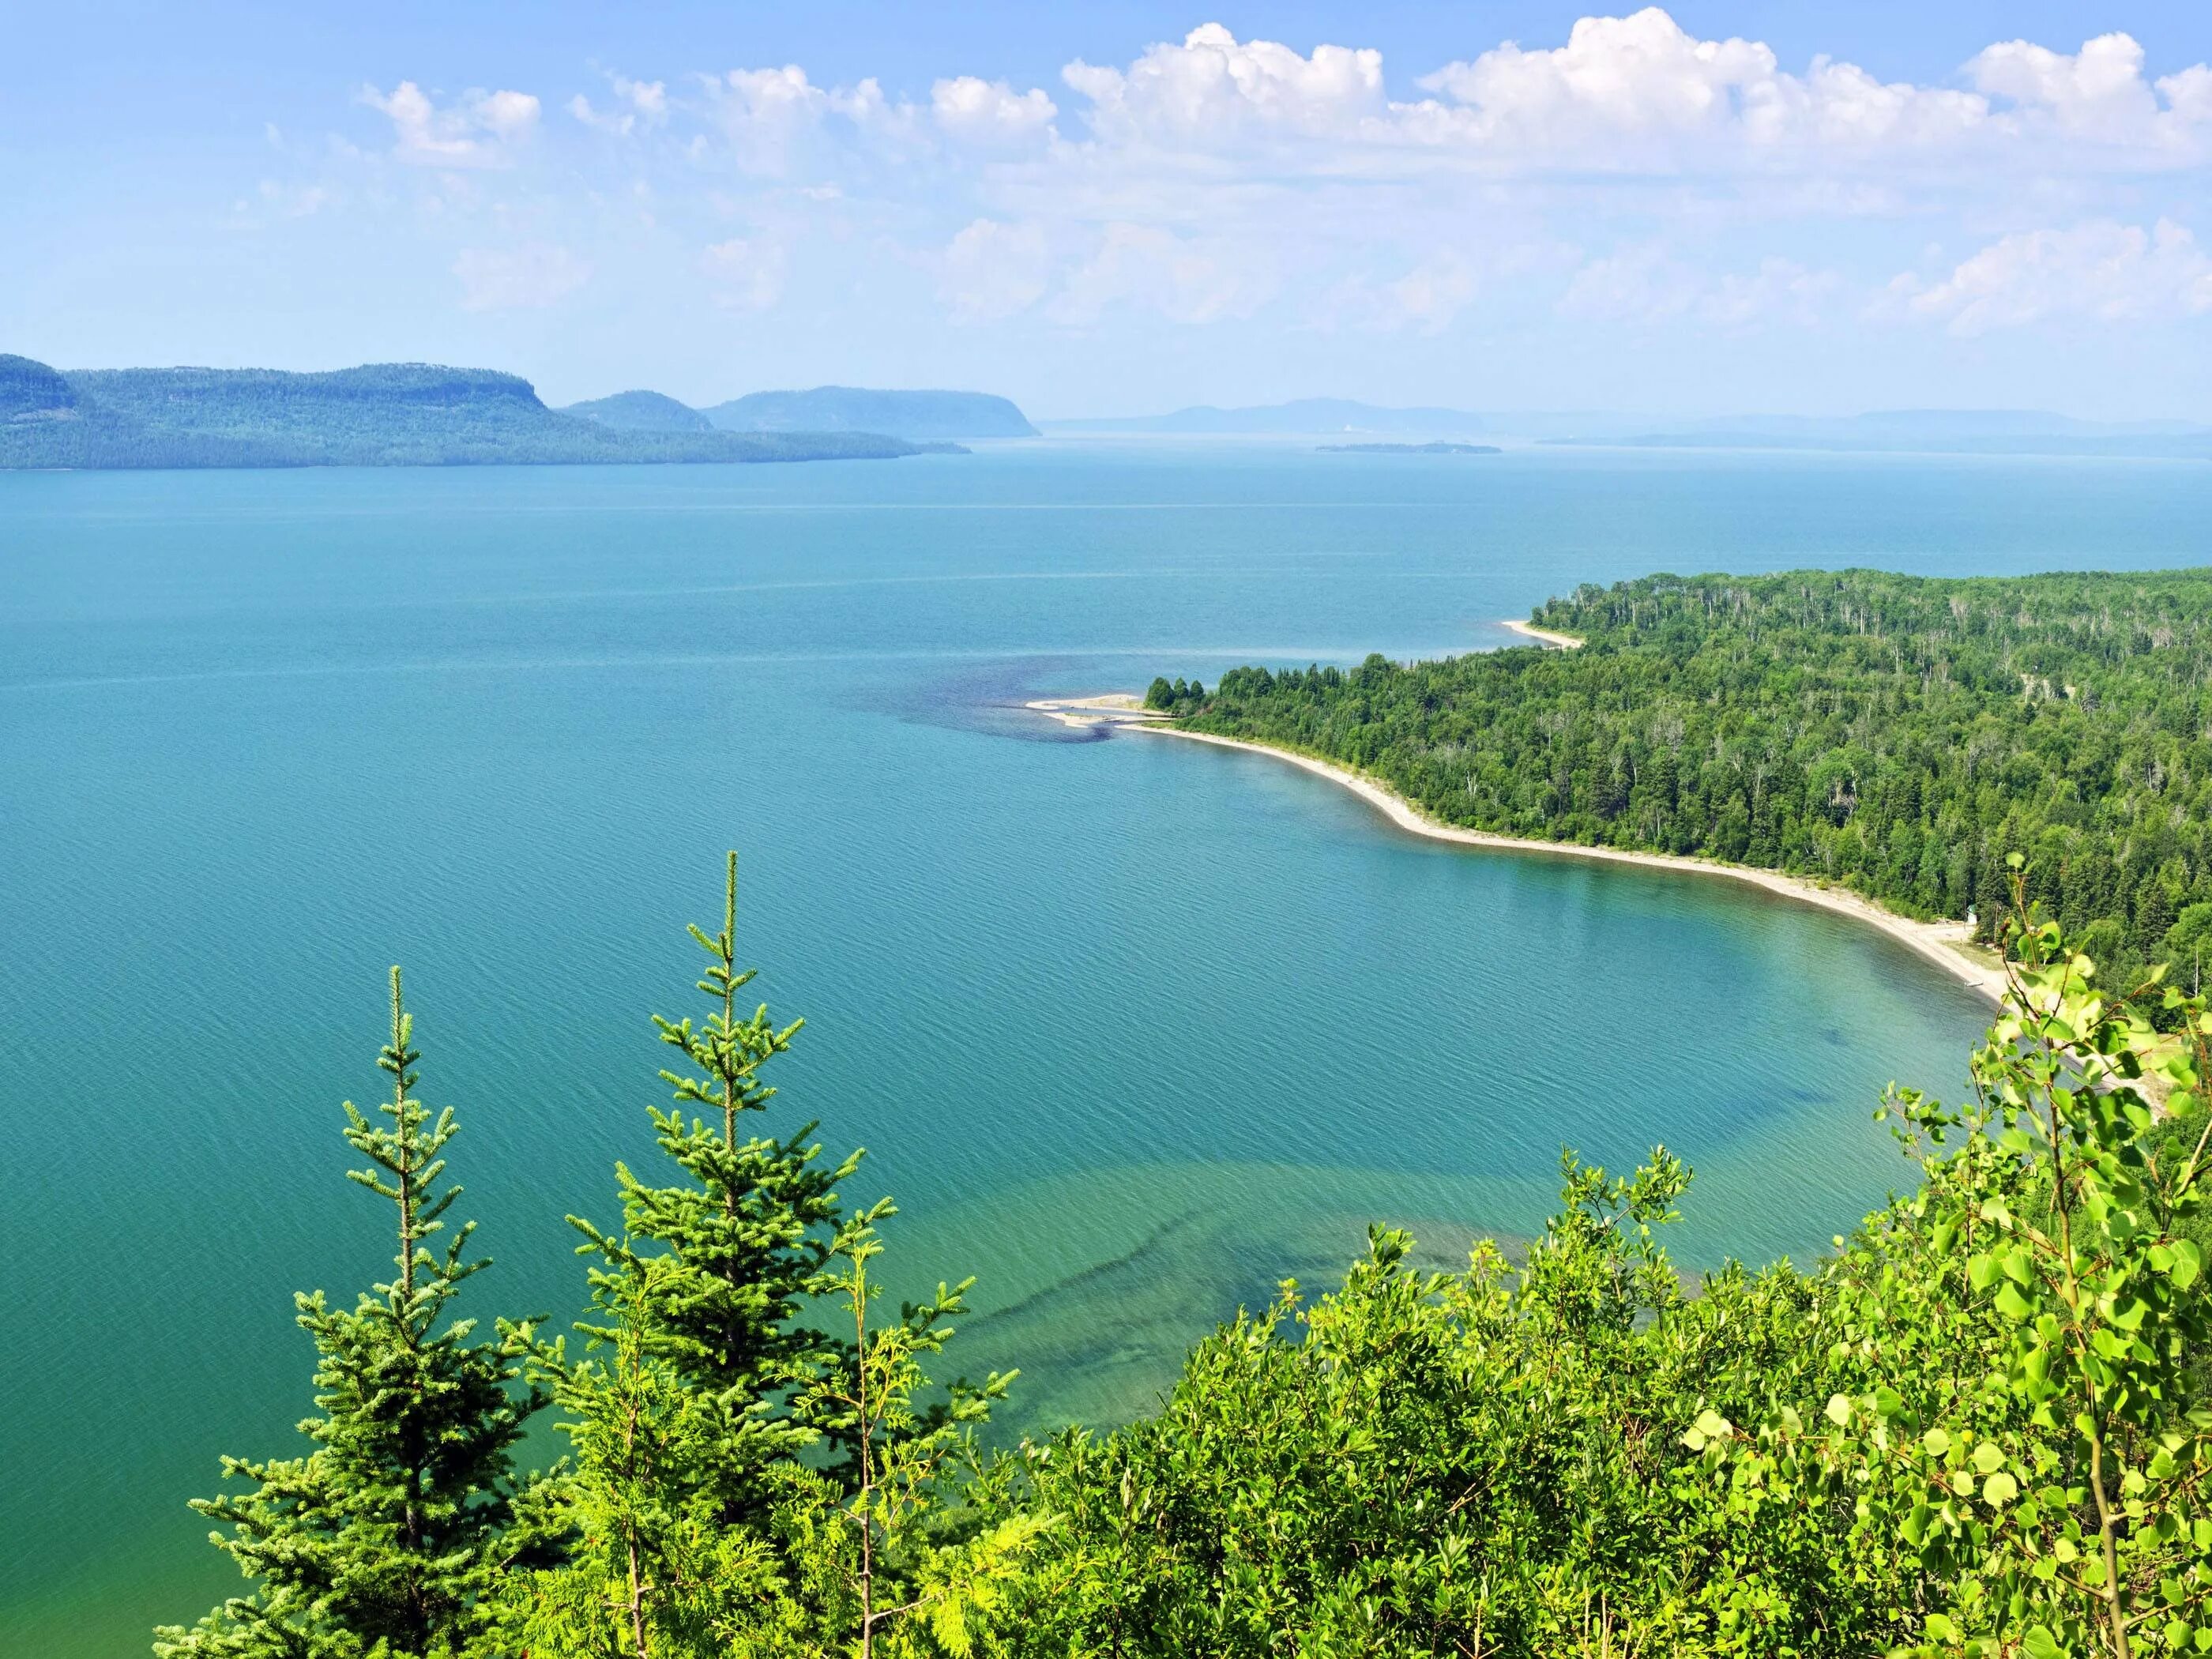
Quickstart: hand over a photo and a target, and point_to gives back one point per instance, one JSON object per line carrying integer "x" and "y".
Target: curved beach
{"x": 1945, "y": 943}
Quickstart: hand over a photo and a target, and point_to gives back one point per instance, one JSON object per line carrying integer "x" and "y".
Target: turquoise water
{"x": 1132, "y": 1028}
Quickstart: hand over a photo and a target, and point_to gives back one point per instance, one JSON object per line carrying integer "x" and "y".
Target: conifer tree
{"x": 715, "y": 1269}
{"x": 383, "y": 1540}
{"x": 647, "y": 1567}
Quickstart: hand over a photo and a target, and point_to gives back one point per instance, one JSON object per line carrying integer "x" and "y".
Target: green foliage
{"x": 388, "y": 1537}
{"x": 646, "y": 1562}
{"x": 1979, "y": 1428}
{"x": 1901, "y": 735}
{"x": 905, "y": 1566}
{"x": 714, "y": 1269}
{"x": 2017, "y": 1345}
{"x": 745, "y": 1479}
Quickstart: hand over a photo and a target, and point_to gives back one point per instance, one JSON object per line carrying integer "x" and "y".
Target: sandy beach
{"x": 1544, "y": 635}
{"x": 1945, "y": 943}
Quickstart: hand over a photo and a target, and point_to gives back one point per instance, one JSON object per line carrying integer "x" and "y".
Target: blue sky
{"x": 1122, "y": 207}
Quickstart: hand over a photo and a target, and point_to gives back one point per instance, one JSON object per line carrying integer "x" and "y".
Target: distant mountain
{"x": 641, "y": 411}
{"x": 1937, "y": 431}
{"x": 1307, "y": 416}
{"x": 381, "y": 414}
{"x": 1933, "y": 431}
{"x": 917, "y": 417}
{"x": 29, "y": 391}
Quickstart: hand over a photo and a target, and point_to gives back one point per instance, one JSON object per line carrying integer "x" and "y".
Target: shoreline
{"x": 1942, "y": 943}
{"x": 1543, "y": 635}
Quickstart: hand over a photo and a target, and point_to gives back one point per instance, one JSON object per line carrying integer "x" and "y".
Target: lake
{"x": 1134, "y": 1029}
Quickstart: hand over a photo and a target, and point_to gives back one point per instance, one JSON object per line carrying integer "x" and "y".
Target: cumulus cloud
{"x": 518, "y": 278}
{"x": 2102, "y": 270}
{"x": 1620, "y": 82}
{"x": 637, "y": 104}
{"x": 769, "y": 115}
{"x": 1650, "y": 283}
{"x": 991, "y": 270}
{"x": 1213, "y": 83}
{"x": 990, "y": 112}
{"x": 1184, "y": 279}
{"x": 1206, "y": 178}
{"x": 1638, "y": 93}
{"x": 745, "y": 273}
{"x": 478, "y": 131}
{"x": 2100, "y": 93}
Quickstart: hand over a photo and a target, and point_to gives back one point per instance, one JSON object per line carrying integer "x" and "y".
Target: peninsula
{"x": 1880, "y": 744}
{"x": 378, "y": 414}
{"x": 1948, "y": 944}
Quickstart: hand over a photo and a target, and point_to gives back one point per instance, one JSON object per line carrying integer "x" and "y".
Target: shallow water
{"x": 1134, "y": 1029}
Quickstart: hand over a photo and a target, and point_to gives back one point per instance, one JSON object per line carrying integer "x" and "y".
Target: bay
{"x": 1132, "y": 1028}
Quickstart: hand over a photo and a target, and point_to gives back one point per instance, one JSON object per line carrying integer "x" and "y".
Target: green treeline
{"x": 1974, "y": 1430}
{"x": 1898, "y": 734}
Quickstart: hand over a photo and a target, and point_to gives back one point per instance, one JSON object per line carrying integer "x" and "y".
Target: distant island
{"x": 388, "y": 415}
{"x": 643, "y": 411}
{"x": 1908, "y": 431}
{"x": 918, "y": 417}
{"x": 1438, "y": 448}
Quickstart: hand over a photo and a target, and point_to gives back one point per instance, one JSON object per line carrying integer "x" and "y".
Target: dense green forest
{"x": 1902, "y": 735}
{"x": 380, "y": 415}
{"x": 1973, "y": 1431}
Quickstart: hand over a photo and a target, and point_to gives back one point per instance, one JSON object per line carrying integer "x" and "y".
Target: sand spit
{"x": 1946, "y": 943}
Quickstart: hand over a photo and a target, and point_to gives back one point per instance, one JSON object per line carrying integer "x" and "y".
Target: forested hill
{"x": 918, "y": 416}
{"x": 1899, "y": 734}
{"x": 380, "y": 415}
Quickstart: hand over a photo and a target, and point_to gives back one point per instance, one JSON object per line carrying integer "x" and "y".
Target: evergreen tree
{"x": 384, "y": 1540}
{"x": 714, "y": 1270}
{"x": 647, "y": 1567}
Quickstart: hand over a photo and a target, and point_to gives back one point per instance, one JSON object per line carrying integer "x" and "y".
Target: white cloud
{"x": 1637, "y": 93}
{"x": 1207, "y": 179}
{"x": 2099, "y": 93}
{"x": 769, "y": 115}
{"x": 1213, "y": 84}
{"x": 990, "y": 112}
{"x": 2102, "y": 270}
{"x": 1184, "y": 279}
{"x": 1621, "y": 83}
{"x": 745, "y": 273}
{"x": 477, "y": 131}
{"x": 648, "y": 98}
{"x": 637, "y": 103}
{"x": 765, "y": 111}
{"x": 1779, "y": 291}
{"x": 1428, "y": 297}
{"x": 1650, "y": 283}
{"x": 1642, "y": 284}
{"x": 1433, "y": 292}
{"x": 518, "y": 278}
{"x": 991, "y": 270}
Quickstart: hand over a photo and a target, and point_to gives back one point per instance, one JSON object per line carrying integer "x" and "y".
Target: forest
{"x": 1899, "y": 735}
{"x": 1974, "y": 1429}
